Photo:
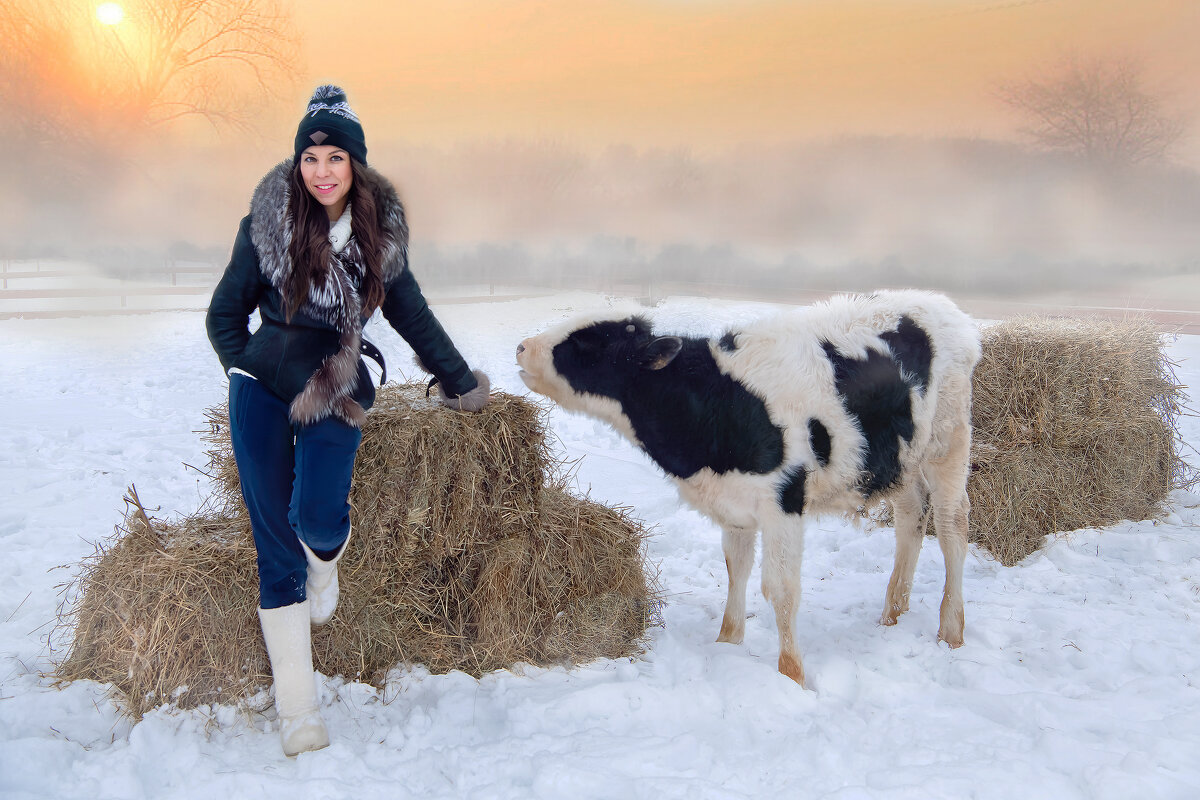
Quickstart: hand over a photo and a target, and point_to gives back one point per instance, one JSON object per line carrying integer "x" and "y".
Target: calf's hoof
{"x": 891, "y": 615}
{"x": 790, "y": 666}
{"x": 731, "y": 633}
{"x": 955, "y": 640}
{"x": 950, "y": 630}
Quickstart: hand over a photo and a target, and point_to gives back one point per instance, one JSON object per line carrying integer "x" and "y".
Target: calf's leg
{"x": 783, "y": 552}
{"x": 908, "y": 512}
{"x": 738, "y": 544}
{"x": 951, "y": 508}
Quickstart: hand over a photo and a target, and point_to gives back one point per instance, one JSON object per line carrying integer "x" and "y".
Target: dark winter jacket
{"x": 313, "y": 361}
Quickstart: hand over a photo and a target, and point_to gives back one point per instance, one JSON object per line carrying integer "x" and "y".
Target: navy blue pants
{"x": 296, "y": 483}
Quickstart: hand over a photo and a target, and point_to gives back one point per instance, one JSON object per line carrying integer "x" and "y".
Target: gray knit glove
{"x": 473, "y": 400}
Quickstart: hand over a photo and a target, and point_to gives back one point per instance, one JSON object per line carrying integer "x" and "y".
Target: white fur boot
{"x": 322, "y": 585}
{"x": 289, "y": 646}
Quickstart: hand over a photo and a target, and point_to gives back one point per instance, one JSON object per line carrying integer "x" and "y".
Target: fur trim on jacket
{"x": 333, "y": 297}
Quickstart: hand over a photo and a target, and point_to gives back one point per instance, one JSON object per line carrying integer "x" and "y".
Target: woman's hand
{"x": 473, "y": 400}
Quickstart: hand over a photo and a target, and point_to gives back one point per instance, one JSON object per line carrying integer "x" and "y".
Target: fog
{"x": 764, "y": 144}
{"x": 956, "y": 214}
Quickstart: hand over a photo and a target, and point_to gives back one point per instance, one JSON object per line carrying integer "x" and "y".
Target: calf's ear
{"x": 659, "y": 352}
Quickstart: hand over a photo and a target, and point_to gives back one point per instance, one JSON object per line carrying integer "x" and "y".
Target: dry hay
{"x": 468, "y": 553}
{"x": 1074, "y": 427}
{"x": 450, "y": 481}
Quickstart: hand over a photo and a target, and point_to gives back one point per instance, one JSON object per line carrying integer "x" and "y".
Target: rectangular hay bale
{"x": 1074, "y": 427}
{"x": 443, "y": 481}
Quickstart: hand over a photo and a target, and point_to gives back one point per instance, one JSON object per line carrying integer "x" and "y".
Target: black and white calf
{"x": 819, "y": 410}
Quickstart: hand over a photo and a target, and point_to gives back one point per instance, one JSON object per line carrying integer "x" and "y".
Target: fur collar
{"x": 333, "y": 294}
{"x": 271, "y": 233}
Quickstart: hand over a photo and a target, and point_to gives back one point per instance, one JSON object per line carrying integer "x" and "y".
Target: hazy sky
{"x": 709, "y": 73}
{"x": 546, "y": 85}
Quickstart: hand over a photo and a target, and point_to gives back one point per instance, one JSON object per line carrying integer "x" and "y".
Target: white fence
{"x": 42, "y": 288}
{"x": 50, "y": 288}
{"x": 47, "y": 288}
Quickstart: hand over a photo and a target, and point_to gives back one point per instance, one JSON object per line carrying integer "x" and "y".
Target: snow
{"x": 1078, "y": 678}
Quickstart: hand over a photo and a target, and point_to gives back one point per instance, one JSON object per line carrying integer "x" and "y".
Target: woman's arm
{"x": 234, "y": 299}
{"x": 405, "y": 309}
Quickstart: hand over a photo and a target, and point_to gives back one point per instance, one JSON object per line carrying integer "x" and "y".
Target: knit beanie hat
{"x": 330, "y": 121}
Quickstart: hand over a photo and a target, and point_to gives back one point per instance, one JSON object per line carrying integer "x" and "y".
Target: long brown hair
{"x": 310, "y": 249}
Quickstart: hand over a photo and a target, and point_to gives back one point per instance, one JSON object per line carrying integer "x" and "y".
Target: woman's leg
{"x": 263, "y": 446}
{"x": 319, "y": 512}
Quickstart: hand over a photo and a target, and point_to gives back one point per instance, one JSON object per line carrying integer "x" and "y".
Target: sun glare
{"x": 110, "y": 13}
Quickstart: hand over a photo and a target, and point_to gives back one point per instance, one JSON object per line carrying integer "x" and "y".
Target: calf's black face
{"x": 665, "y": 391}
{"x": 606, "y": 357}
{"x": 568, "y": 364}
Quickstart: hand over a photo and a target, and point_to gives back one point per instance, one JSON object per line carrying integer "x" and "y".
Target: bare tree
{"x": 80, "y": 100}
{"x": 67, "y": 76}
{"x": 199, "y": 52}
{"x": 1097, "y": 109}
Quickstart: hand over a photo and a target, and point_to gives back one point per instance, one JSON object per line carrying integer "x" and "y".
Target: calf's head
{"x": 579, "y": 362}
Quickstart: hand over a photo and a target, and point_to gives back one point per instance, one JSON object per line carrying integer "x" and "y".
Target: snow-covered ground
{"x": 1080, "y": 677}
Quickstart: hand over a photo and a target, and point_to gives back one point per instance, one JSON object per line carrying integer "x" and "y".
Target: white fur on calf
{"x": 823, "y": 409}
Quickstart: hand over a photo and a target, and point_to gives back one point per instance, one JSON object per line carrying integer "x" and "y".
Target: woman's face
{"x": 326, "y": 173}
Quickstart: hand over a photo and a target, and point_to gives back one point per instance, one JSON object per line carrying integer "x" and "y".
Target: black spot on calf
{"x": 876, "y": 394}
{"x": 911, "y": 347}
{"x": 689, "y": 416}
{"x": 685, "y": 412}
{"x": 822, "y": 445}
{"x": 791, "y": 491}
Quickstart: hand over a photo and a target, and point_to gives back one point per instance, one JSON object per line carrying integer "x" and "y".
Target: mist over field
{"x": 818, "y": 145}
{"x": 841, "y": 213}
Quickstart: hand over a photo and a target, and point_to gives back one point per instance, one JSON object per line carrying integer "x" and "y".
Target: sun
{"x": 110, "y": 13}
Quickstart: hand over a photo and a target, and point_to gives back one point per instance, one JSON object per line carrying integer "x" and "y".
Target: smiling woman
{"x": 324, "y": 246}
{"x": 110, "y": 13}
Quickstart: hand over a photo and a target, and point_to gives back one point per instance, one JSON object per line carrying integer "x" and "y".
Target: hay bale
{"x": 160, "y": 612}
{"x": 456, "y": 482}
{"x": 448, "y": 482}
{"x": 493, "y": 565}
{"x": 1074, "y": 427}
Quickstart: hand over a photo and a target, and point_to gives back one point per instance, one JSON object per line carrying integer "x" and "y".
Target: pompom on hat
{"x": 329, "y": 120}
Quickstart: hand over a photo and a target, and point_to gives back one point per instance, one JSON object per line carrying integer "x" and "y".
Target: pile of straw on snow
{"x": 1074, "y": 427}
{"x": 467, "y": 553}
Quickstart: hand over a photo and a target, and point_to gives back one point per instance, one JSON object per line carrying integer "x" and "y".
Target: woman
{"x": 324, "y": 245}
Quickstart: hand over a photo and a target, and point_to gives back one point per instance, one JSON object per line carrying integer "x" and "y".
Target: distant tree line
{"x": 847, "y": 212}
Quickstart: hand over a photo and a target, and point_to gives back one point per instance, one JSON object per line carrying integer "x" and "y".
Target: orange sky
{"x": 562, "y": 77}
{"x": 709, "y": 73}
